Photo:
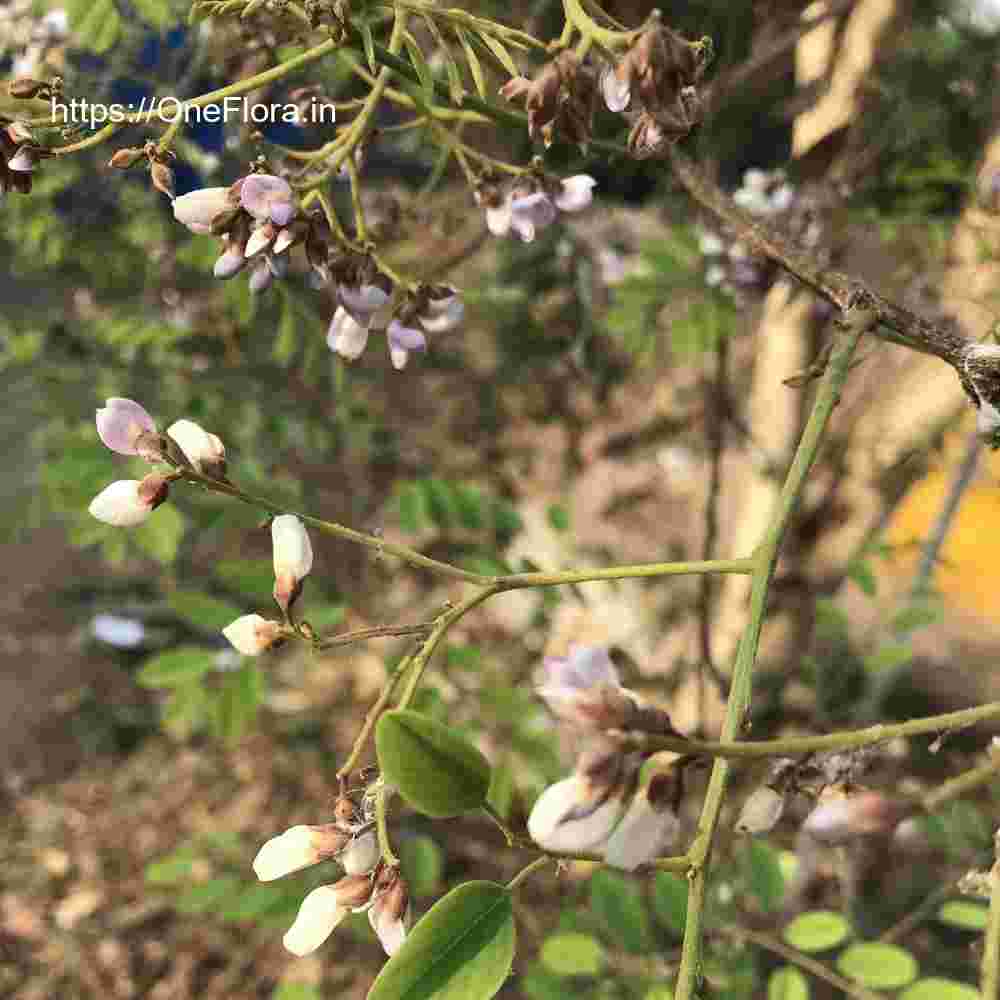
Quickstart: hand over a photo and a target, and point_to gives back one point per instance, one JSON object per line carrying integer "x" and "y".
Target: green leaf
{"x": 617, "y": 904}
{"x": 237, "y": 701}
{"x": 934, "y": 988}
{"x": 787, "y": 983}
{"x": 254, "y": 902}
{"x": 462, "y": 949}
{"x": 202, "y": 610}
{"x": 962, "y": 913}
{"x": 171, "y": 870}
{"x": 889, "y": 656}
{"x": 253, "y": 577}
{"x": 455, "y": 89}
{"x": 861, "y": 573}
{"x": 878, "y": 966}
{"x": 472, "y": 60}
{"x": 572, "y": 955}
{"x": 156, "y": 12}
{"x": 558, "y": 517}
{"x": 817, "y": 930}
{"x": 501, "y": 793}
{"x": 175, "y": 667}
{"x": 208, "y": 895}
{"x": 369, "y": 43}
{"x": 160, "y": 536}
{"x": 423, "y": 865}
{"x": 762, "y": 869}
{"x": 502, "y": 55}
{"x": 424, "y": 73}
{"x": 438, "y": 772}
{"x": 670, "y": 896}
{"x": 297, "y": 991}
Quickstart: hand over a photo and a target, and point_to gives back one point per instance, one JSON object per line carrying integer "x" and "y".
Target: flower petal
{"x": 576, "y": 194}
{"x": 120, "y": 504}
{"x": 346, "y": 336}
{"x": 318, "y": 917}
{"x": 120, "y": 422}
{"x": 197, "y": 209}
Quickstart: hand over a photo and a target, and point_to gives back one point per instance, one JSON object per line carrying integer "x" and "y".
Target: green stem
{"x": 689, "y": 974}
{"x": 589, "y": 28}
{"x": 851, "y": 739}
{"x": 526, "y": 871}
{"x": 961, "y": 785}
{"x": 518, "y": 581}
{"x": 382, "y": 797}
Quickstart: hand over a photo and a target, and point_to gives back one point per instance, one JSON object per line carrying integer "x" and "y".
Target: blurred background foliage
{"x": 584, "y": 355}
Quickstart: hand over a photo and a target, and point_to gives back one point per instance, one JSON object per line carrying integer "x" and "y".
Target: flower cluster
{"x": 126, "y": 427}
{"x": 369, "y": 885}
{"x": 654, "y": 83}
{"x": 532, "y": 203}
{"x": 601, "y": 807}
{"x": 362, "y": 308}
{"x": 257, "y": 219}
{"x": 561, "y": 99}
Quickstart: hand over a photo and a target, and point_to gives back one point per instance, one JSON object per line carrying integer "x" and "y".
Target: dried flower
{"x": 252, "y": 634}
{"x": 560, "y": 89}
{"x": 390, "y": 914}
{"x": 129, "y": 502}
{"x": 293, "y": 558}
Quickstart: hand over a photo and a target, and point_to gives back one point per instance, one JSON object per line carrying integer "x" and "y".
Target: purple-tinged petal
{"x": 614, "y": 90}
{"x": 260, "y": 192}
{"x": 261, "y": 278}
{"x": 406, "y": 338}
{"x": 120, "y": 422}
{"x": 282, "y": 212}
{"x": 530, "y": 213}
{"x": 443, "y": 314}
{"x": 576, "y": 193}
{"x": 230, "y": 263}
{"x": 362, "y": 301}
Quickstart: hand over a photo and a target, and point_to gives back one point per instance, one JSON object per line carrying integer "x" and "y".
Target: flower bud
{"x": 129, "y": 502}
{"x": 841, "y": 816}
{"x": 318, "y": 917}
{"x": 293, "y": 558}
{"x": 203, "y": 450}
{"x": 125, "y": 158}
{"x": 163, "y": 178}
{"x": 361, "y": 854}
{"x": 252, "y": 634}
{"x": 568, "y": 817}
{"x": 390, "y": 915}
{"x": 761, "y": 811}
{"x": 121, "y": 423}
{"x": 298, "y": 848}
{"x": 198, "y": 209}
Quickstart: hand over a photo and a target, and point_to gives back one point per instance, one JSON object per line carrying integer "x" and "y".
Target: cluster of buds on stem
{"x": 655, "y": 82}
{"x": 368, "y": 885}
{"x": 601, "y": 807}
{"x": 125, "y": 427}
{"x": 19, "y": 158}
{"x": 560, "y": 100}
{"x": 532, "y": 202}
{"x": 367, "y": 301}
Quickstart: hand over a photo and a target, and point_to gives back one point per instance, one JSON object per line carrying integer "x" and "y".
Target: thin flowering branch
{"x": 851, "y": 739}
{"x": 375, "y": 632}
{"x": 963, "y": 783}
{"x": 857, "y": 322}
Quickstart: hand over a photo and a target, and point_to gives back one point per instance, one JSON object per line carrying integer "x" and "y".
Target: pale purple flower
{"x": 261, "y": 276}
{"x": 23, "y": 161}
{"x": 231, "y": 262}
{"x": 443, "y": 314}
{"x": 645, "y": 832}
{"x": 403, "y": 340}
{"x": 576, "y": 194}
{"x": 531, "y": 212}
{"x": 124, "y": 633}
{"x": 197, "y": 209}
{"x": 345, "y": 335}
{"x": 268, "y": 199}
{"x": 583, "y": 667}
{"x": 121, "y": 422}
{"x": 615, "y": 91}
{"x": 362, "y": 301}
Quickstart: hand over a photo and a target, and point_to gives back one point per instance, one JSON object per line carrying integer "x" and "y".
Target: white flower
{"x": 577, "y": 193}
{"x": 615, "y": 91}
{"x": 203, "y": 450}
{"x": 197, "y": 209}
{"x": 125, "y": 633}
{"x": 293, "y": 557}
{"x": 318, "y": 917}
{"x": 129, "y": 502}
{"x": 402, "y": 340}
{"x": 252, "y": 634}
{"x": 298, "y": 848}
{"x": 531, "y": 212}
{"x": 566, "y": 820}
{"x": 644, "y": 833}
{"x": 761, "y": 811}
{"x": 346, "y": 336}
